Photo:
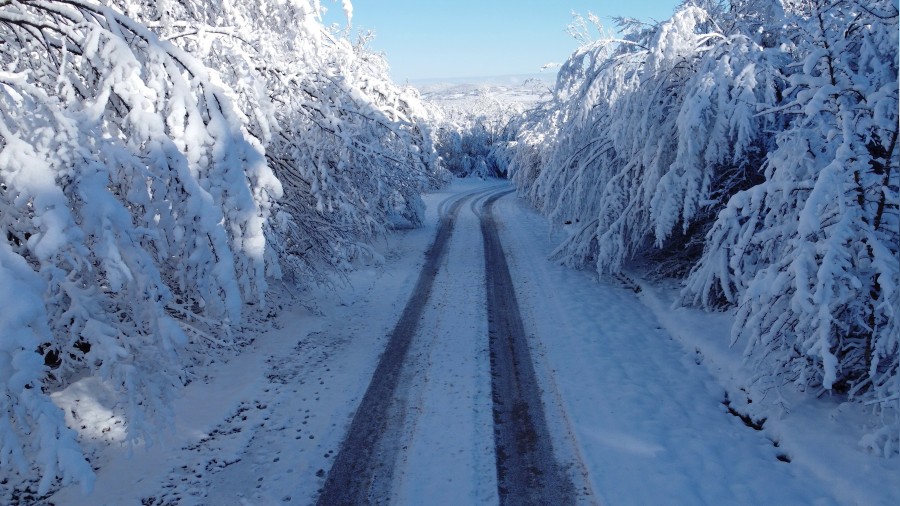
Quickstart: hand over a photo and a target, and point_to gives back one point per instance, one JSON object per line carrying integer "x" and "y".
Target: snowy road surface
{"x": 363, "y": 469}
{"x": 526, "y": 470}
{"x": 632, "y": 416}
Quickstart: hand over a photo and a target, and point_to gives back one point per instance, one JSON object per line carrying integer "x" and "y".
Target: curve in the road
{"x": 527, "y": 471}
{"x": 350, "y": 480}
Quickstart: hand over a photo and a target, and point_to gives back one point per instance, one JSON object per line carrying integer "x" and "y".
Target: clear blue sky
{"x": 427, "y": 39}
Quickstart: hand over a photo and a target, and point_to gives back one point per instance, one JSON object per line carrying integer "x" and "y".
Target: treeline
{"x": 160, "y": 162}
{"x": 472, "y": 140}
{"x": 748, "y": 148}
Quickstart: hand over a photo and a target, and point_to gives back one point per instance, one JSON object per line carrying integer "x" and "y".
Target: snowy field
{"x": 481, "y": 93}
{"x": 634, "y": 392}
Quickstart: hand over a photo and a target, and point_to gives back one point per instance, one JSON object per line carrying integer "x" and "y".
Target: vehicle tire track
{"x": 356, "y": 467}
{"x": 527, "y": 471}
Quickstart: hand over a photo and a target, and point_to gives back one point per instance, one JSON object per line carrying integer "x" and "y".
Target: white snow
{"x": 633, "y": 390}
{"x": 642, "y": 386}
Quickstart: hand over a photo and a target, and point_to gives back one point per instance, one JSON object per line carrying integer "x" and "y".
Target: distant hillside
{"x": 478, "y": 93}
{"x": 548, "y": 78}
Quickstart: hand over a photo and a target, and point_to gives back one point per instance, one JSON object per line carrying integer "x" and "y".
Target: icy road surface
{"x": 620, "y": 412}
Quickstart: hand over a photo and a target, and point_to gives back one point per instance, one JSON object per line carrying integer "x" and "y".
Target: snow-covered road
{"x": 400, "y": 426}
{"x": 633, "y": 416}
{"x": 383, "y": 436}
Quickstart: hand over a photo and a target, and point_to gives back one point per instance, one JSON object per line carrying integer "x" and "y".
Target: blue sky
{"x": 428, "y": 39}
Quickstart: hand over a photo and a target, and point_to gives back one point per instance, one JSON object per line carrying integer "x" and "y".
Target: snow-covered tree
{"x": 160, "y": 160}
{"x": 811, "y": 256}
{"x": 751, "y": 144}
{"x": 472, "y": 139}
{"x": 651, "y": 133}
{"x": 130, "y": 189}
{"x": 351, "y": 149}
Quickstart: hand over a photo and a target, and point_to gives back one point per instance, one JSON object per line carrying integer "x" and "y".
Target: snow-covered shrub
{"x": 30, "y": 424}
{"x": 467, "y": 151}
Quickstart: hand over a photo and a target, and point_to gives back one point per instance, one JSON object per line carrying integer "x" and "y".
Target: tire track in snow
{"x": 527, "y": 471}
{"x": 352, "y": 477}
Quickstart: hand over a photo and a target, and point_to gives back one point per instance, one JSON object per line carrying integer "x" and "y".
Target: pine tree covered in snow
{"x": 752, "y": 146}
{"x": 159, "y": 161}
